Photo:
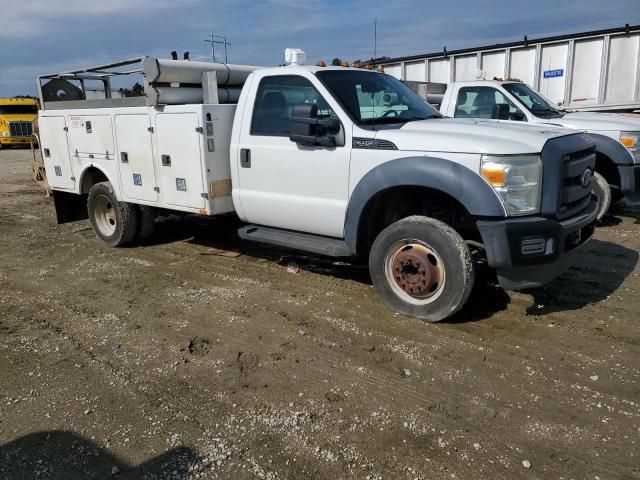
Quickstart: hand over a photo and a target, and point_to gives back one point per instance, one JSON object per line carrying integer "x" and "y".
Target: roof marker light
{"x": 295, "y": 56}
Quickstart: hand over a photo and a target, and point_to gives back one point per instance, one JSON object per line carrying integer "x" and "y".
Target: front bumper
{"x": 15, "y": 140}
{"x": 630, "y": 183}
{"x": 530, "y": 251}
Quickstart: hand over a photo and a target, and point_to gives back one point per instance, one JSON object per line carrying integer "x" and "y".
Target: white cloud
{"x": 32, "y": 18}
{"x": 21, "y": 79}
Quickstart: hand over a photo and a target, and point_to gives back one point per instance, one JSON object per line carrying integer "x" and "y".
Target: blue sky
{"x": 44, "y": 36}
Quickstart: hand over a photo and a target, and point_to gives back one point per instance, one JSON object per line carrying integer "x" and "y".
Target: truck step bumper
{"x": 522, "y": 278}
{"x": 332, "y": 247}
{"x": 528, "y": 252}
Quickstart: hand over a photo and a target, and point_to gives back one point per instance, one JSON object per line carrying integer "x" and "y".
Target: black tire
{"x": 146, "y": 222}
{"x": 114, "y": 222}
{"x": 404, "y": 251}
{"x": 602, "y": 190}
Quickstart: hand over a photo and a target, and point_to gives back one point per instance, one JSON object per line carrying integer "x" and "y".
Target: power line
{"x": 214, "y": 40}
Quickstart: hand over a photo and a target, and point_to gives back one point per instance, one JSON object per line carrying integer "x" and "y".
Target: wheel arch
{"x": 609, "y": 155}
{"x": 441, "y": 176}
{"x": 92, "y": 175}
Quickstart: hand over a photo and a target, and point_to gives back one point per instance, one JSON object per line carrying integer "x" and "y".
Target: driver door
{"x": 283, "y": 184}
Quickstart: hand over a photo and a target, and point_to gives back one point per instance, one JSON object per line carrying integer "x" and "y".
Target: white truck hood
{"x": 472, "y": 136}
{"x": 601, "y": 122}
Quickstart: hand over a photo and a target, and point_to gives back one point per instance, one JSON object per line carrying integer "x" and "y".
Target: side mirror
{"x": 519, "y": 116}
{"x": 500, "y": 111}
{"x": 307, "y": 129}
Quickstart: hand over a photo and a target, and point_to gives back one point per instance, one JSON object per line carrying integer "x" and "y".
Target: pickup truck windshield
{"x": 17, "y": 109}
{"x": 373, "y": 98}
{"x": 532, "y": 101}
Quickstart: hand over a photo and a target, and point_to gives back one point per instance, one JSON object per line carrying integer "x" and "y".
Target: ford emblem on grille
{"x": 587, "y": 175}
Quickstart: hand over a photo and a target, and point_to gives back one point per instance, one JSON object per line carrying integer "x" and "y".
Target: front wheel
{"x": 114, "y": 222}
{"x": 422, "y": 268}
{"x": 602, "y": 190}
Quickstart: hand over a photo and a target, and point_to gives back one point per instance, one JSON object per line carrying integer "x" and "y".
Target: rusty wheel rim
{"x": 105, "y": 215}
{"x": 415, "y": 272}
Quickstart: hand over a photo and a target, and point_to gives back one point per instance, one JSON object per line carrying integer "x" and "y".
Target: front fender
{"x": 613, "y": 149}
{"x": 461, "y": 183}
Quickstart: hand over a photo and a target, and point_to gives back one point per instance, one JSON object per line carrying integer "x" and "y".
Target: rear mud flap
{"x": 70, "y": 207}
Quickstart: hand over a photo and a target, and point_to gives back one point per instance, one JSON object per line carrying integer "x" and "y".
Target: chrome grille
{"x": 575, "y": 196}
{"x": 20, "y": 129}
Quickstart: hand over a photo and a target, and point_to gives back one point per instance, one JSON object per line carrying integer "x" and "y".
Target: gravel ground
{"x": 175, "y": 360}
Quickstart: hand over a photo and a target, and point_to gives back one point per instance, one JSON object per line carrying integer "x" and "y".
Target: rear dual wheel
{"x": 118, "y": 223}
{"x": 114, "y": 222}
{"x": 422, "y": 268}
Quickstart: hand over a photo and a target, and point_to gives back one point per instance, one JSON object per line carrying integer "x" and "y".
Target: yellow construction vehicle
{"x": 18, "y": 117}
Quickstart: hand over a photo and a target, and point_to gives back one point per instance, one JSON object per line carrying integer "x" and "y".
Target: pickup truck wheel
{"x": 114, "y": 222}
{"x": 422, "y": 268}
{"x": 602, "y": 190}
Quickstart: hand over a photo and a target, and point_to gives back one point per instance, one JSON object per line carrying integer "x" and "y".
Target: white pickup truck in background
{"x": 617, "y": 135}
{"x": 336, "y": 161}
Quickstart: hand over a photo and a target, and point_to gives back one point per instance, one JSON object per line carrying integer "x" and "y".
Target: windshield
{"x": 533, "y": 101}
{"x": 17, "y": 109}
{"x": 375, "y": 98}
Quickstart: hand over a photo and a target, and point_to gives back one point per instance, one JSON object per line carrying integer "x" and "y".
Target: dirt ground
{"x": 171, "y": 361}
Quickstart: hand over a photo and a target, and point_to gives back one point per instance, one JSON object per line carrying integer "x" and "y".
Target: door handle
{"x": 245, "y": 158}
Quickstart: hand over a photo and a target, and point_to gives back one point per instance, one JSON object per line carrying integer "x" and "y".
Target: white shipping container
{"x": 552, "y": 70}
{"x": 597, "y": 71}
{"x": 439, "y": 71}
{"x": 393, "y": 70}
{"x": 623, "y": 65}
{"x": 466, "y": 67}
{"x": 585, "y": 76}
{"x": 416, "y": 70}
{"x": 493, "y": 64}
{"x": 523, "y": 65}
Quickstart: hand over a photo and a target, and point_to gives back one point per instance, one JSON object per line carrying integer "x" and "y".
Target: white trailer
{"x": 591, "y": 71}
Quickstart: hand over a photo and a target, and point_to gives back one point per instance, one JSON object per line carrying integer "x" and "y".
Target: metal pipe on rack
{"x": 182, "y": 71}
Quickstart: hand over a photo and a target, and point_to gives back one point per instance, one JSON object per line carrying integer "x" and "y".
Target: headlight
{"x": 517, "y": 179}
{"x": 5, "y": 134}
{"x": 631, "y": 140}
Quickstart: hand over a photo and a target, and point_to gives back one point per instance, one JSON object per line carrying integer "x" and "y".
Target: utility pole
{"x": 213, "y": 47}
{"x": 220, "y": 40}
{"x": 375, "y": 41}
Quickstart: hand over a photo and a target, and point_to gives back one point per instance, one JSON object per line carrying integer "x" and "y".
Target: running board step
{"x": 332, "y": 247}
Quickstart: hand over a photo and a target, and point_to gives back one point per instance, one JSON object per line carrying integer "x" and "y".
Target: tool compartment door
{"x": 135, "y": 157}
{"x": 55, "y": 152}
{"x": 178, "y": 159}
{"x": 91, "y": 137}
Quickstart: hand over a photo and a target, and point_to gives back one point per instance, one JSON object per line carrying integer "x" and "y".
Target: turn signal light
{"x": 494, "y": 174}
{"x": 629, "y": 141}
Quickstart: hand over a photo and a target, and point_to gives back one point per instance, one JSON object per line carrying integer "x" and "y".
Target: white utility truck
{"x": 617, "y": 136}
{"x": 336, "y": 161}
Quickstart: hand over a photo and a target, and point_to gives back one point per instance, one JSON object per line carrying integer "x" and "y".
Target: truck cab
{"x": 617, "y": 136}
{"x": 357, "y": 157}
{"x": 17, "y": 120}
{"x": 336, "y": 161}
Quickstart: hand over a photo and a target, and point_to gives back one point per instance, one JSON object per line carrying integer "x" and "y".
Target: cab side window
{"x": 275, "y": 100}
{"x": 486, "y": 102}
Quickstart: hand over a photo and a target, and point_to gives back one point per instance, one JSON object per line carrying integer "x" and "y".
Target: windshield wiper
{"x": 411, "y": 118}
{"x": 538, "y": 109}
{"x": 399, "y": 119}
